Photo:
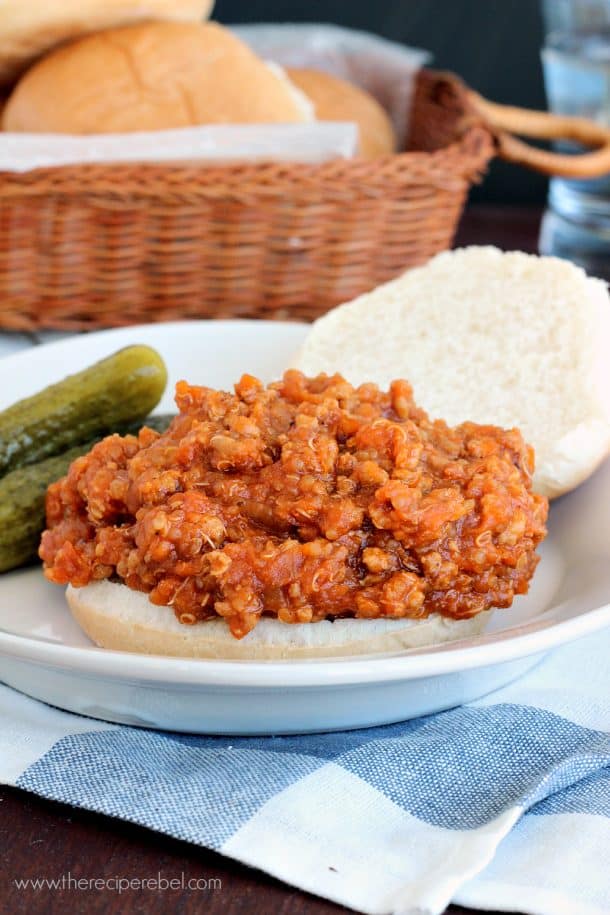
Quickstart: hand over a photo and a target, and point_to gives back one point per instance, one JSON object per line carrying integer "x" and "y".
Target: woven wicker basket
{"x": 98, "y": 246}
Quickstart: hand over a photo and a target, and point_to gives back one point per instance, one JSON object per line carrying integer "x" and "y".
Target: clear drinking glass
{"x": 576, "y": 65}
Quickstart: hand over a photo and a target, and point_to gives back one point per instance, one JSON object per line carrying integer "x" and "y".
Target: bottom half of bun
{"x": 115, "y": 617}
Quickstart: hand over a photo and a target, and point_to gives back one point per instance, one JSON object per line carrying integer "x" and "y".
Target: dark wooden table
{"x": 43, "y": 839}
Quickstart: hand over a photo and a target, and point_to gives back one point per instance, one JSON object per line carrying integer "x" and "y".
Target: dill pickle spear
{"x": 23, "y": 492}
{"x": 124, "y": 387}
{"x": 22, "y": 507}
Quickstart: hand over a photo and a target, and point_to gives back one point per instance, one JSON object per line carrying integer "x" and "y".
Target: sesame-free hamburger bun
{"x": 337, "y": 100}
{"x": 153, "y": 76}
{"x": 29, "y": 28}
{"x": 116, "y": 617}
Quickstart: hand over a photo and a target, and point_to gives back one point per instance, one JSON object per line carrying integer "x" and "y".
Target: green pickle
{"x": 122, "y": 388}
{"x": 23, "y": 491}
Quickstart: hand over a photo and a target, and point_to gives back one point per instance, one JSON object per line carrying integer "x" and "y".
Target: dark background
{"x": 492, "y": 44}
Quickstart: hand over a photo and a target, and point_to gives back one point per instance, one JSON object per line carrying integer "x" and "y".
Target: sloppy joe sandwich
{"x": 305, "y": 518}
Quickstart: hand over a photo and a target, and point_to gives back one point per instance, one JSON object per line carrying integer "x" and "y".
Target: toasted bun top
{"x": 337, "y": 100}
{"x": 28, "y": 29}
{"x": 150, "y": 77}
{"x": 502, "y": 338}
{"x": 116, "y": 617}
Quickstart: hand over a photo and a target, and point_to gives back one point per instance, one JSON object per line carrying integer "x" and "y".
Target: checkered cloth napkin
{"x": 503, "y": 803}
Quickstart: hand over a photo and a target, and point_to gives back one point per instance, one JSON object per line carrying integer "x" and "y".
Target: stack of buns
{"x": 122, "y": 66}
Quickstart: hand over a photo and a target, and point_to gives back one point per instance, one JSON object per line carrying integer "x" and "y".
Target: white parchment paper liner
{"x": 215, "y": 144}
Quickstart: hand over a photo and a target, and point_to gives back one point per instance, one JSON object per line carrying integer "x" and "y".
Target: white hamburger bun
{"x": 508, "y": 339}
{"x": 115, "y": 617}
{"x": 29, "y": 28}
{"x": 154, "y": 76}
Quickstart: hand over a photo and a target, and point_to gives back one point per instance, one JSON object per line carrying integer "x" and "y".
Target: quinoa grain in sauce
{"x": 305, "y": 500}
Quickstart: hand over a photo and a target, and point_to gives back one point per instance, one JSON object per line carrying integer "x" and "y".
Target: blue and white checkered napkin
{"x": 500, "y": 804}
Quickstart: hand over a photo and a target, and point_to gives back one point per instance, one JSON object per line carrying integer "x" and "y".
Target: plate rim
{"x": 489, "y": 650}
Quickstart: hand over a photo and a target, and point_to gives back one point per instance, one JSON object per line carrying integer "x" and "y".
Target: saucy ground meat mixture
{"x": 305, "y": 500}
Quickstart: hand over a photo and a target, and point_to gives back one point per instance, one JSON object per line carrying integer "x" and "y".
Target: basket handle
{"x": 505, "y": 120}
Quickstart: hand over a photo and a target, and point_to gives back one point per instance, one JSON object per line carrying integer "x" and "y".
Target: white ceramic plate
{"x": 44, "y": 654}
